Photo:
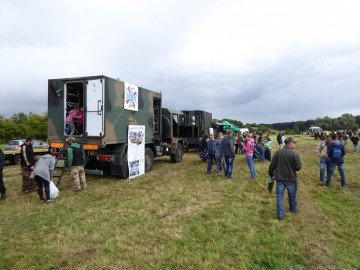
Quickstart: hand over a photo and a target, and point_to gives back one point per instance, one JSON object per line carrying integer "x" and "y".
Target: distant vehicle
{"x": 14, "y": 144}
{"x": 314, "y": 129}
{"x": 40, "y": 145}
{"x": 12, "y": 150}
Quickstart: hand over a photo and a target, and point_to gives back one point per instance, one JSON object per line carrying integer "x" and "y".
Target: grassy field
{"x": 177, "y": 217}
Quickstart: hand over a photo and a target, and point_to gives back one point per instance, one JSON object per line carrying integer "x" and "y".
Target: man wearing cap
{"x": 283, "y": 168}
{"x": 76, "y": 161}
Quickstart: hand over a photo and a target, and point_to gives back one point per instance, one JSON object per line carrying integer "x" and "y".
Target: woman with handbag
{"x": 42, "y": 175}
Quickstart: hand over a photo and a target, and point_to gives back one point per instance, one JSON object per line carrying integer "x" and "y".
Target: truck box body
{"x": 104, "y": 132}
{"x": 194, "y": 124}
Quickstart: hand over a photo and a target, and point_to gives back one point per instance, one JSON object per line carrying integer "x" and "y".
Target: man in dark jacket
{"x": 229, "y": 154}
{"x": 27, "y": 163}
{"x": 355, "y": 140}
{"x": 2, "y": 186}
{"x": 283, "y": 168}
{"x": 76, "y": 161}
{"x": 336, "y": 152}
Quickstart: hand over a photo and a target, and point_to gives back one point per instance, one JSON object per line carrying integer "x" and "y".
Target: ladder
{"x": 60, "y": 167}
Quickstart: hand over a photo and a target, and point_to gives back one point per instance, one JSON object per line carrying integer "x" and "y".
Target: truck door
{"x": 95, "y": 108}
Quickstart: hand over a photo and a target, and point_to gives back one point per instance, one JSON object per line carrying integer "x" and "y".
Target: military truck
{"x": 109, "y": 107}
{"x": 193, "y": 125}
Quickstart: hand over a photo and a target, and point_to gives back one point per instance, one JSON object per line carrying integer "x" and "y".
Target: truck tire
{"x": 15, "y": 160}
{"x": 125, "y": 167}
{"x": 177, "y": 157}
{"x": 166, "y": 126}
{"x": 149, "y": 159}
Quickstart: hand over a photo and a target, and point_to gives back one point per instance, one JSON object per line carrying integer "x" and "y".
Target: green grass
{"x": 176, "y": 217}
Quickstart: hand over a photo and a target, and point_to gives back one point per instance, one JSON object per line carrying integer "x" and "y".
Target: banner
{"x": 136, "y": 150}
{"x": 131, "y": 97}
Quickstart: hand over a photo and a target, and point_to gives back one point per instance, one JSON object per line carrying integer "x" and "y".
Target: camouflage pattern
{"x": 113, "y": 140}
{"x": 117, "y": 118}
{"x": 28, "y": 184}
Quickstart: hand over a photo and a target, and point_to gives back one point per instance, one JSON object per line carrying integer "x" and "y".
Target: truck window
{"x": 74, "y": 109}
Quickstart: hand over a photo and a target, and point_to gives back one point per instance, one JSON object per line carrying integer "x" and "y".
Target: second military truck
{"x": 105, "y": 111}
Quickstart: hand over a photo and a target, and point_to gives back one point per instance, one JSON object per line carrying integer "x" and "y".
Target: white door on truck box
{"x": 95, "y": 107}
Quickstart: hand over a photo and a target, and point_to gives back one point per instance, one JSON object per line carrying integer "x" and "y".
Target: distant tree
{"x": 296, "y": 129}
{"x": 357, "y": 120}
{"x": 21, "y": 125}
{"x": 347, "y": 121}
{"x": 301, "y": 127}
{"x": 19, "y": 118}
{"x": 326, "y": 123}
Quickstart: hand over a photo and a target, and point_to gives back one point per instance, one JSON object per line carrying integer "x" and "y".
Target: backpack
{"x": 259, "y": 146}
{"x": 336, "y": 152}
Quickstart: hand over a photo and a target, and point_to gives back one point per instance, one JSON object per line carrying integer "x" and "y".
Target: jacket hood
{"x": 46, "y": 156}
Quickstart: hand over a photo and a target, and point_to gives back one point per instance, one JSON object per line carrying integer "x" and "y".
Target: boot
{"x": 3, "y": 195}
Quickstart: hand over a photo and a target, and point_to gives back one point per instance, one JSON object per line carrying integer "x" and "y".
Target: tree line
{"x": 22, "y": 125}
{"x": 344, "y": 122}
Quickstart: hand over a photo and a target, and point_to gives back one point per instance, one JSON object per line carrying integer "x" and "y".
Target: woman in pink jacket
{"x": 248, "y": 146}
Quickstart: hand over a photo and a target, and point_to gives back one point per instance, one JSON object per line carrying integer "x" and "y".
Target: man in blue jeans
{"x": 336, "y": 152}
{"x": 283, "y": 168}
{"x": 229, "y": 154}
{"x": 321, "y": 151}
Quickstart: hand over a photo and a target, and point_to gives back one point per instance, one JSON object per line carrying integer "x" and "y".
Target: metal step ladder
{"x": 60, "y": 167}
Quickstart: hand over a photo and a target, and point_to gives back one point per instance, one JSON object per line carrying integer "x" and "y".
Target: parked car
{"x": 12, "y": 150}
{"x": 40, "y": 145}
{"x": 14, "y": 144}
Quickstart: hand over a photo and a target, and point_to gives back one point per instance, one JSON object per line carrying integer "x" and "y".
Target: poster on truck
{"x": 131, "y": 97}
{"x": 136, "y": 150}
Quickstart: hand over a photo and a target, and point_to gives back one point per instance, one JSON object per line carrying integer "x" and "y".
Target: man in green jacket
{"x": 283, "y": 168}
{"x": 76, "y": 161}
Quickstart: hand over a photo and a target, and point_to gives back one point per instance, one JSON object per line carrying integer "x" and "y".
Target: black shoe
{"x": 3, "y": 196}
{"x": 281, "y": 218}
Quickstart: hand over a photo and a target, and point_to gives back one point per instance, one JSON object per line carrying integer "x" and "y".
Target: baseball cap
{"x": 289, "y": 140}
{"x": 70, "y": 139}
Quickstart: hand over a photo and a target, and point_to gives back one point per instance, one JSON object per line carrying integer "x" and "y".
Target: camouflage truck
{"x": 109, "y": 107}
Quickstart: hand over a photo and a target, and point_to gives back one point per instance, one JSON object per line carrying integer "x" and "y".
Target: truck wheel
{"x": 177, "y": 157}
{"x": 149, "y": 159}
{"x": 15, "y": 160}
{"x": 166, "y": 126}
{"x": 125, "y": 167}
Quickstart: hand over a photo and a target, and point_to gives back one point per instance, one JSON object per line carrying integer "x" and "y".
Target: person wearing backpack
{"x": 336, "y": 152}
{"x": 260, "y": 148}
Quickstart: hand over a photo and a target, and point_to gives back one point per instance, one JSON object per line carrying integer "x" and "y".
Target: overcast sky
{"x": 258, "y": 61}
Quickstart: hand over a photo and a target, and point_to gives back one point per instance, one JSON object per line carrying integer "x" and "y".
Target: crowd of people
{"x": 222, "y": 151}
{"x": 283, "y": 165}
{"x": 37, "y": 175}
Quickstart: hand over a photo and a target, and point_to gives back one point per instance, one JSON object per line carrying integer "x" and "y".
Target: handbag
{"x": 54, "y": 191}
{"x": 270, "y": 184}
